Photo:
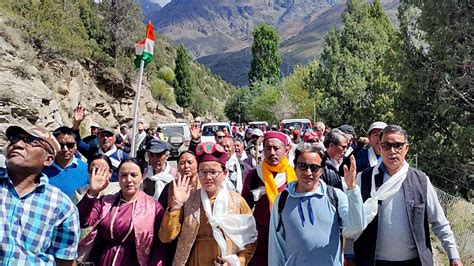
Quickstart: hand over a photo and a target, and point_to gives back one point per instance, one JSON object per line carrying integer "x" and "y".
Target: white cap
{"x": 376, "y": 125}
{"x": 257, "y": 132}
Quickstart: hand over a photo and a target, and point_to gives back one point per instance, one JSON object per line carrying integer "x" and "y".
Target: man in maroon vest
{"x": 263, "y": 183}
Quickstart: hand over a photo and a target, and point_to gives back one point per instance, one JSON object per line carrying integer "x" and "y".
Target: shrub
{"x": 167, "y": 74}
{"x": 162, "y": 92}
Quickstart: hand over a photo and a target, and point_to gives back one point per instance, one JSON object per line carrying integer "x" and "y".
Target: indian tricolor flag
{"x": 144, "y": 49}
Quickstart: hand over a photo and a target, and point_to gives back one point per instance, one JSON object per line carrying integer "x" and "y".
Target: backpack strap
{"x": 281, "y": 205}
{"x": 331, "y": 194}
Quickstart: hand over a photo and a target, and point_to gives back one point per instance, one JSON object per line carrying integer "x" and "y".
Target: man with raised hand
{"x": 106, "y": 143}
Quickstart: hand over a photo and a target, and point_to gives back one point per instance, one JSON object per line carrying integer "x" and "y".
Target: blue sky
{"x": 161, "y": 2}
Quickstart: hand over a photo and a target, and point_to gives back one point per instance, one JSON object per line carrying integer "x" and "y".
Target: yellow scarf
{"x": 269, "y": 179}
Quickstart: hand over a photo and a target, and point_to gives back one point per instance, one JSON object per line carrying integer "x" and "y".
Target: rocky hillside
{"x": 45, "y": 92}
{"x": 218, "y": 32}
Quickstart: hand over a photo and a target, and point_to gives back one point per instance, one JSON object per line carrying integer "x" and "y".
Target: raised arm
{"x": 171, "y": 224}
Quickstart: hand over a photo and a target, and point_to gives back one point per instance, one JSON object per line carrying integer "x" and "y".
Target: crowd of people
{"x": 255, "y": 196}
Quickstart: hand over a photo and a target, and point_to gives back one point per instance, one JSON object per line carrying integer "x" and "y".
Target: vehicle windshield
{"x": 168, "y": 131}
{"x": 257, "y": 125}
{"x": 296, "y": 125}
{"x": 210, "y": 130}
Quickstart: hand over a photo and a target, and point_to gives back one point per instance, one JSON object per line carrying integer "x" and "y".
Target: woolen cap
{"x": 211, "y": 152}
{"x": 276, "y": 135}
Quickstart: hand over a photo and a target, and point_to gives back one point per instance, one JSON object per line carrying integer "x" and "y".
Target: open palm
{"x": 181, "y": 189}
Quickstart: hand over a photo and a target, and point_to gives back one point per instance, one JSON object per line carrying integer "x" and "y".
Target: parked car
{"x": 208, "y": 130}
{"x": 301, "y": 124}
{"x": 257, "y": 124}
{"x": 178, "y": 135}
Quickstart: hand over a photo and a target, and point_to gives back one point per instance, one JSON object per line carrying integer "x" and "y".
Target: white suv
{"x": 178, "y": 135}
{"x": 208, "y": 130}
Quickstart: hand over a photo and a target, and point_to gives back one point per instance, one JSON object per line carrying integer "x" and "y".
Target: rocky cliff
{"x": 44, "y": 93}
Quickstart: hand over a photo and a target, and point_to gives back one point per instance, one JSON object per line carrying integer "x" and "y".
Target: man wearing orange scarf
{"x": 263, "y": 184}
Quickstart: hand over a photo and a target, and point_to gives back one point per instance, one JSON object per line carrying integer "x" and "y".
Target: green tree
{"x": 183, "y": 89}
{"x": 123, "y": 22}
{"x": 436, "y": 101}
{"x": 237, "y": 105}
{"x": 353, "y": 82}
{"x": 266, "y": 60}
{"x": 265, "y": 97}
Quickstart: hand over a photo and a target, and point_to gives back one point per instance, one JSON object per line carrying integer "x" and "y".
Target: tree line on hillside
{"x": 106, "y": 32}
{"x": 418, "y": 76}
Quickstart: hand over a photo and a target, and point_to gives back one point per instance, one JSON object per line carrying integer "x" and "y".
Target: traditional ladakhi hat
{"x": 211, "y": 152}
{"x": 275, "y": 135}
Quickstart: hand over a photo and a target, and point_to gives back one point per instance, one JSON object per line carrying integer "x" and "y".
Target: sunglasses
{"x": 304, "y": 166}
{"x": 69, "y": 145}
{"x": 30, "y": 141}
{"x": 220, "y": 137}
{"x": 388, "y": 146}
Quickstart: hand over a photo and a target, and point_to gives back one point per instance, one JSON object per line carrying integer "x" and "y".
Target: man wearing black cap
{"x": 159, "y": 172}
{"x": 39, "y": 225}
{"x": 106, "y": 143}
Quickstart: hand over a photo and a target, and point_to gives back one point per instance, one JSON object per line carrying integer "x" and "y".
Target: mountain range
{"x": 218, "y": 33}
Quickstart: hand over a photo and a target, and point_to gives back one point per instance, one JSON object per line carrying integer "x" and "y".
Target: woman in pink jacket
{"x": 124, "y": 225}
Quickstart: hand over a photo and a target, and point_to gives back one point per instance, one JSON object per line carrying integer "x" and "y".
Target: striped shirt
{"x": 38, "y": 227}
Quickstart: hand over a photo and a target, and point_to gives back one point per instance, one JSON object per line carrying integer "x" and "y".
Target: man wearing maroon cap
{"x": 263, "y": 184}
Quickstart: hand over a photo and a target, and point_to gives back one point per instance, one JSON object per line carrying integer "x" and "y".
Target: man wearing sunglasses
{"x": 306, "y": 217}
{"x": 336, "y": 144}
{"x": 67, "y": 172}
{"x": 39, "y": 225}
{"x": 400, "y": 207}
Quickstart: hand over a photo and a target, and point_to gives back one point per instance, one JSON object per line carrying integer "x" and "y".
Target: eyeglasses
{"x": 304, "y": 167}
{"x": 212, "y": 173}
{"x": 220, "y": 137}
{"x": 69, "y": 145}
{"x": 386, "y": 146}
{"x": 343, "y": 146}
{"x": 30, "y": 141}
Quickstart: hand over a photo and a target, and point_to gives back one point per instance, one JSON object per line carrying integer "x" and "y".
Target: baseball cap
{"x": 376, "y": 125}
{"x": 257, "y": 132}
{"x": 347, "y": 129}
{"x": 157, "y": 146}
{"x": 95, "y": 125}
{"x": 107, "y": 130}
{"x": 37, "y": 132}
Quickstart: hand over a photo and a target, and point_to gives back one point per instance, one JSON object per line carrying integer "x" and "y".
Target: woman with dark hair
{"x": 98, "y": 161}
{"x": 124, "y": 225}
{"x": 187, "y": 167}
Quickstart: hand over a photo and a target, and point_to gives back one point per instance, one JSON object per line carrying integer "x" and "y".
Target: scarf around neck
{"x": 385, "y": 191}
{"x": 269, "y": 180}
{"x": 241, "y": 229}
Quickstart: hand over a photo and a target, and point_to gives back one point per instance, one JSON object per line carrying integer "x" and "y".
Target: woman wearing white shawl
{"x": 214, "y": 226}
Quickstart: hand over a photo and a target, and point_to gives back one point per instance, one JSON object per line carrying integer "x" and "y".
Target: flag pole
{"x": 135, "y": 111}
